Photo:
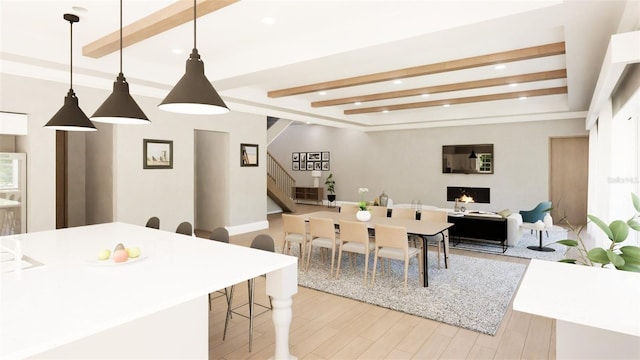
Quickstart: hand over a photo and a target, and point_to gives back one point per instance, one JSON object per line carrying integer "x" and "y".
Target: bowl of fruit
{"x": 119, "y": 255}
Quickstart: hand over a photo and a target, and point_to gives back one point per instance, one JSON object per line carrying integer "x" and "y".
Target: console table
{"x": 479, "y": 227}
{"x": 308, "y": 193}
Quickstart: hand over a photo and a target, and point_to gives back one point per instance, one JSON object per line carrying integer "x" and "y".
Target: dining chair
{"x": 323, "y": 235}
{"x": 153, "y": 222}
{"x": 349, "y": 208}
{"x": 354, "y": 238}
{"x": 403, "y": 213}
{"x": 443, "y": 237}
{"x": 391, "y": 243}
{"x": 220, "y": 234}
{"x": 379, "y": 211}
{"x": 261, "y": 242}
{"x": 295, "y": 232}
{"x": 185, "y": 228}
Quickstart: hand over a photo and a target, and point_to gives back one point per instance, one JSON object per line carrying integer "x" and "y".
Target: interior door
{"x": 569, "y": 165}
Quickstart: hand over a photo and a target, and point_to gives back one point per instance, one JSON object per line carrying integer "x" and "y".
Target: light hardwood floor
{"x": 326, "y": 326}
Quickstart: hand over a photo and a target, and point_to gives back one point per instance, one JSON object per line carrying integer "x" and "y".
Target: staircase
{"x": 280, "y": 185}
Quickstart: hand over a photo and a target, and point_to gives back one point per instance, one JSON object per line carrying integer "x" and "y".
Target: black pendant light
{"x": 473, "y": 155}
{"x": 70, "y": 117}
{"x": 194, "y": 94}
{"x": 120, "y": 108}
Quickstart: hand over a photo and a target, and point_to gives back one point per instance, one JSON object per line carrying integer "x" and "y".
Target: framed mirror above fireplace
{"x": 468, "y": 159}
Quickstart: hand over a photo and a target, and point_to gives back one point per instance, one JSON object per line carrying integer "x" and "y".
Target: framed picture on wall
{"x": 248, "y": 155}
{"x": 325, "y": 156}
{"x": 303, "y": 165}
{"x": 313, "y": 156}
{"x": 295, "y": 166}
{"x": 325, "y": 166}
{"x": 295, "y": 157}
{"x": 309, "y": 165}
{"x": 157, "y": 154}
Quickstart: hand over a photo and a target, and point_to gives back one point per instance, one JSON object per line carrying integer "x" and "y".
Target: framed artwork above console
{"x": 311, "y": 161}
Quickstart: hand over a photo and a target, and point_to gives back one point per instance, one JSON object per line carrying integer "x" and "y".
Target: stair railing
{"x": 280, "y": 176}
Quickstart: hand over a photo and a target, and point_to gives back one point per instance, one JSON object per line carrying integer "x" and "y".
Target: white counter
{"x": 597, "y": 310}
{"x": 73, "y": 296}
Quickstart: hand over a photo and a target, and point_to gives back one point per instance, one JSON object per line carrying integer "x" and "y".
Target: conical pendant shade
{"x": 120, "y": 108}
{"x": 473, "y": 155}
{"x": 194, "y": 94}
{"x": 70, "y": 117}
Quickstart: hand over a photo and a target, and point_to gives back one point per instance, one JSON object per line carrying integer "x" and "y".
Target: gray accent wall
{"x": 407, "y": 164}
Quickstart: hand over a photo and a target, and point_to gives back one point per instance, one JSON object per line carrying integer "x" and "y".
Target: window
{"x": 484, "y": 163}
{"x": 8, "y": 174}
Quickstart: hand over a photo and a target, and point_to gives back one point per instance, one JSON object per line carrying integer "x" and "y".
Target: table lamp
{"x": 316, "y": 177}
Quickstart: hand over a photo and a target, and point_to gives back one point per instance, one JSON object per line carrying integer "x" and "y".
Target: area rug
{"x": 473, "y": 293}
{"x": 520, "y": 249}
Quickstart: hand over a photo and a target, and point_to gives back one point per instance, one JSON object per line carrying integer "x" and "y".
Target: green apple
{"x": 104, "y": 254}
{"x": 133, "y": 252}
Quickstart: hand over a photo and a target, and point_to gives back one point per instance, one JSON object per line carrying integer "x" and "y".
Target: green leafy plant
{"x": 330, "y": 184}
{"x": 362, "y": 205}
{"x": 625, "y": 258}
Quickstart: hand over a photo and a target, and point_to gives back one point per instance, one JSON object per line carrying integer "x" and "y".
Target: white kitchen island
{"x": 74, "y": 306}
{"x": 597, "y": 311}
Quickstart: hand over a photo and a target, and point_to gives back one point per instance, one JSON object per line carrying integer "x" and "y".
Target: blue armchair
{"x": 537, "y": 213}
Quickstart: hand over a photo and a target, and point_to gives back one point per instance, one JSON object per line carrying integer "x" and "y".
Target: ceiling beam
{"x": 160, "y": 21}
{"x": 467, "y": 85}
{"x": 460, "y": 64}
{"x": 465, "y": 100}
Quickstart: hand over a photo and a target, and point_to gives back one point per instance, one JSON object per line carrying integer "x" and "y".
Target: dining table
{"x": 421, "y": 228}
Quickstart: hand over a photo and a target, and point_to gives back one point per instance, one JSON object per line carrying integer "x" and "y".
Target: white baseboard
{"x": 245, "y": 228}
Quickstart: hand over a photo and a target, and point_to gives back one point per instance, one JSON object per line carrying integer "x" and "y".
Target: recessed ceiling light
{"x": 177, "y": 51}
{"x": 397, "y": 82}
{"x": 308, "y": 123}
{"x": 79, "y": 9}
{"x": 446, "y": 105}
{"x": 522, "y": 98}
{"x": 323, "y": 93}
{"x": 500, "y": 66}
{"x": 425, "y": 95}
{"x": 385, "y": 111}
{"x": 267, "y": 20}
{"x": 513, "y": 84}
{"x": 357, "y": 103}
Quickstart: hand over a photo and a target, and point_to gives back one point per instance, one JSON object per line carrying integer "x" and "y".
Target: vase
{"x": 363, "y": 215}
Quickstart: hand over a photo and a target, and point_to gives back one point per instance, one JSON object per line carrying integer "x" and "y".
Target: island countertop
{"x": 73, "y": 295}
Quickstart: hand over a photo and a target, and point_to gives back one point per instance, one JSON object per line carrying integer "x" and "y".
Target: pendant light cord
{"x": 71, "y": 56}
{"x": 120, "y": 36}
{"x": 194, "y": 23}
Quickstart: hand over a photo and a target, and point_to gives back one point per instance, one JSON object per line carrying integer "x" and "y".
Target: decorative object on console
{"x": 316, "y": 174}
{"x": 384, "y": 198}
{"x": 70, "y": 117}
{"x": 625, "y": 258}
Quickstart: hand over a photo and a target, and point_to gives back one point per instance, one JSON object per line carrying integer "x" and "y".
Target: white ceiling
{"x": 318, "y": 41}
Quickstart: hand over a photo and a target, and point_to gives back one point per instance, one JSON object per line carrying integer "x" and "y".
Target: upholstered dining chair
{"x": 403, "y": 213}
{"x": 295, "y": 232}
{"x": 354, "y": 238}
{"x": 261, "y": 242}
{"x": 441, "y": 239}
{"x": 379, "y": 211}
{"x": 185, "y": 228}
{"x": 153, "y": 222}
{"x": 322, "y": 235}
{"x": 391, "y": 243}
{"x": 220, "y": 234}
{"x": 349, "y": 208}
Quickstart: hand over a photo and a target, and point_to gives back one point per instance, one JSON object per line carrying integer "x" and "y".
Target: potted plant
{"x": 331, "y": 191}
{"x": 625, "y": 258}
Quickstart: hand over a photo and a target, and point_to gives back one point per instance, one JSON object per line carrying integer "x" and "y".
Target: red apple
{"x": 120, "y": 256}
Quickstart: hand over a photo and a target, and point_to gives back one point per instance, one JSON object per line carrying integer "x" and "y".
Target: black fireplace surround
{"x": 479, "y": 195}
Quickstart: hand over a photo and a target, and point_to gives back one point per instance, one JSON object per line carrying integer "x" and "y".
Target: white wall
{"x": 136, "y": 194}
{"x": 407, "y": 164}
{"x": 212, "y": 185}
